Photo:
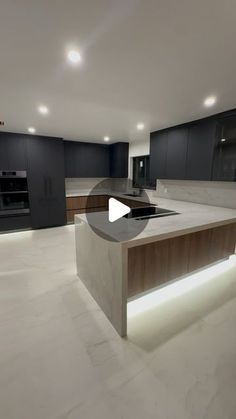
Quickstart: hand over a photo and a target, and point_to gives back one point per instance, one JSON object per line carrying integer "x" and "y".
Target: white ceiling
{"x": 152, "y": 61}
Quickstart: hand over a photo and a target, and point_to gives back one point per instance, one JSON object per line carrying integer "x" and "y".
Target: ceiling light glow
{"x": 43, "y": 110}
{"x": 31, "y": 130}
{"x": 140, "y": 126}
{"x": 74, "y": 56}
{"x": 210, "y": 101}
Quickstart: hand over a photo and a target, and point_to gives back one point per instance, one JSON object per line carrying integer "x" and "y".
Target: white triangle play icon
{"x": 117, "y": 210}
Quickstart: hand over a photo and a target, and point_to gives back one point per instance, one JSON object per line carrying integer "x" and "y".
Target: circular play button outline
{"x": 116, "y": 210}
{"x": 113, "y": 221}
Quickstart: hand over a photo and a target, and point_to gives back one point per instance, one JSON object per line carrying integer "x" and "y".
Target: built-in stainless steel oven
{"x": 14, "y": 196}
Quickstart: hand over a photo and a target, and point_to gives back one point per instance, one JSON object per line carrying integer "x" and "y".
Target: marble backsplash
{"x": 86, "y": 184}
{"x": 221, "y": 194}
{"x": 76, "y": 184}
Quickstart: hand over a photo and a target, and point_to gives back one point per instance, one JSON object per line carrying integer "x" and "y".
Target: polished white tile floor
{"x": 60, "y": 357}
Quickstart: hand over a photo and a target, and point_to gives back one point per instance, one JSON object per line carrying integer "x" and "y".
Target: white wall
{"x": 137, "y": 148}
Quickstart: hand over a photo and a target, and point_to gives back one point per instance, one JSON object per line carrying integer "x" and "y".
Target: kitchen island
{"x": 115, "y": 269}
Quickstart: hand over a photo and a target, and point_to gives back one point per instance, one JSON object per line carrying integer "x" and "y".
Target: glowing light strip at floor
{"x": 178, "y": 288}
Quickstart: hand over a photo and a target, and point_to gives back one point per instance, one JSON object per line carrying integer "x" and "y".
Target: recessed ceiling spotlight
{"x": 74, "y": 56}
{"x": 106, "y": 139}
{"x": 31, "y": 130}
{"x": 140, "y": 126}
{"x": 43, "y": 110}
{"x": 223, "y": 140}
{"x": 210, "y": 101}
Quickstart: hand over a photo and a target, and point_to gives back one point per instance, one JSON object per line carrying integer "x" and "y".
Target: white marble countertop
{"x": 191, "y": 217}
{"x": 85, "y": 192}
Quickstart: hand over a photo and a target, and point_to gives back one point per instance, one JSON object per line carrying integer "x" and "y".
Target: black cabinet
{"x": 158, "y": 155}
{"x": 141, "y": 172}
{"x": 96, "y": 160}
{"x": 13, "y": 155}
{"x": 224, "y": 168}
{"x": 176, "y": 153}
{"x": 46, "y": 181}
{"x": 183, "y": 152}
{"x": 201, "y": 143}
{"x": 119, "y": 158}
{"x": 11, "y": 223}
{"x": 86, "y": 159}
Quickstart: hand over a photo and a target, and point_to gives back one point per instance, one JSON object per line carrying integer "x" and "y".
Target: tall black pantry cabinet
{"x": 46, "y": 181}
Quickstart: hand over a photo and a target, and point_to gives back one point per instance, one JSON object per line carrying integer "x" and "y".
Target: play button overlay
{"x": 109, "y": 210}
{"x": 117, "y": 210}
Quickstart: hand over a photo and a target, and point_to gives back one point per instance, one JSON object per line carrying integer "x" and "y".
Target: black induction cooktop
{"x": 143, "y": 213}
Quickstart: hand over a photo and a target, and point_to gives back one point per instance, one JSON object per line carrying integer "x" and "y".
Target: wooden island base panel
{"x": 157, "y": 263}
{"x": 123, "y": 270}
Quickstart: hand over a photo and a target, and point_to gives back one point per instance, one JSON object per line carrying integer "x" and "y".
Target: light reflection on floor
{"x": 156, "y": 317}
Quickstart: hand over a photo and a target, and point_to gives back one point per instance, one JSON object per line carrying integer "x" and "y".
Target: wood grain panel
{"x": 71, "y": 213}
{"x": 153, "y": 264}
{"x": 199, "y": 249}
{"x": 76, "y": 202}
{"x": 97, "y": 201}
{"x": 223, "y": 241}
{"x": 147, "y": 266}
{"x": 80, "y": 202}
{"x": 178, "y": 249}
{"x": 97, "y": 209}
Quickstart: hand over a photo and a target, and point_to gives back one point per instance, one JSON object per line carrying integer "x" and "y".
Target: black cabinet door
{"x": 86, "y": 159}
{"x": 17, "y": 155}
{"x": 176, "y": 153}
{"x": 201, "y": 143}
{"x": 56, "y": 182}
{"x": 119, "y": 159}
{"x": 46, "y": 181}
{"x": 70, "y": 158}
{"x": 224, "y": 167}
{"x": 158, "y": 155}
{"x": 3, "y": 153}
{"x": 12, "y": 151}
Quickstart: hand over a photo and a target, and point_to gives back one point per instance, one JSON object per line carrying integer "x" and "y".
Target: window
{"x": 141, "y": 172}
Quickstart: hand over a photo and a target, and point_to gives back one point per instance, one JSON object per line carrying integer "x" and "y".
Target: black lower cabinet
{"x": 46, "y": 181}
{"x": 12, "y": 223}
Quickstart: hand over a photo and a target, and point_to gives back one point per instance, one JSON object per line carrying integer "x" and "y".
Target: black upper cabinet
{"x": 119, "y": 158}
{"x": 201, "y": 144}
{"x": 176, "y": 153}
{"x": 86, "y": 159}
{"x": 46, "y": 181}
{"x": 224, "y": 168}
{"x": 158, "y": 155}
{"x": 13, "y": 155}
{"x": 183, "y": 152}
{"x": 96, "y": 160}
